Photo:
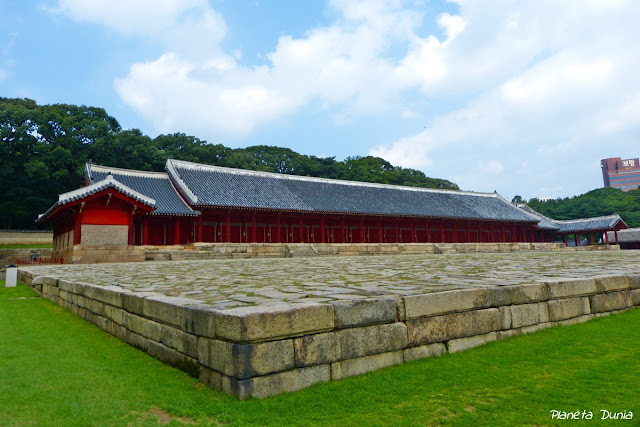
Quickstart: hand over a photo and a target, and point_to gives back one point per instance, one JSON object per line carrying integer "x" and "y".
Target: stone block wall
{"x": 266, "y": 350}
{"x": 283, "y": 250}
{"x": 81, "y": 254}
{"x": 25, "y": 237}
{"x": 104, "y": 235}
{"x": 9, "y": 256}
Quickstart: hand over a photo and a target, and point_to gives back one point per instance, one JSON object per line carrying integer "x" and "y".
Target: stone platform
{"x": 258, "y": 327}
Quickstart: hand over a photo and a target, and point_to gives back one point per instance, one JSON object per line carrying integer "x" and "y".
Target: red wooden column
{"x": 177, "y": 230}
{"x": 77, "y": 229}
{"x": 455, "y": 233}
{"x": 533, "y": 236}
{"x": 591, "y": 239}
{"x": 323, "y": 236}
{"x": 130, "y": 238}
{"x": 278, "y": 234}
{"x": 514, "y": 237}
{"x": 227, "y": 228}
{"x": 145, "y": 231}
{"x": 301, "y": 230}
{"x": 606, "y": 237}
{"x": 502, "y": 236}
{"x": 441, "y": 231}
{"x": 468, "y": 232}
{"x": 199, "y": 236}
{"x": 397, "y": 231}
{"x": 564, "y": 239}
{"x": 615, "y": 232}
{"x": 361, "y": 230}
{"x": 576, "y": 240}
{"x": 379, "y": 230}
{"x": 413, "y": 232}
{"x": 343, "y": 237}
{"x": 426, "y": 229}
{"x": 254, "y": 226}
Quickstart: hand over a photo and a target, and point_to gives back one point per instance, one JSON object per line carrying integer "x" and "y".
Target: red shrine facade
{"x": 122, "y": 210}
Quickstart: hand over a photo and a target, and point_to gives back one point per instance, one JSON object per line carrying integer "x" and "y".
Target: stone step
{"x": 301, "y": 250}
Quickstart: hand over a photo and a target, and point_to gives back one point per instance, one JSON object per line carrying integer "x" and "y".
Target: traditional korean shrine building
{"x": 575, "y": 228}
{"x": 190, "y": 202}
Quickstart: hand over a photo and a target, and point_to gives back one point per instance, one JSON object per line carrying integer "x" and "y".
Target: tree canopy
{"x": 44, "y": 149}
{"x": 599, "y": 202}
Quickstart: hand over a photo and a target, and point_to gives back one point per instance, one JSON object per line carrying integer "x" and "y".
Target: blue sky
{"x": 522, "y": 97}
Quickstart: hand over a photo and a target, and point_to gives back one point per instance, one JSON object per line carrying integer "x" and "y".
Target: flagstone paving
{"x": 230, "y": 283}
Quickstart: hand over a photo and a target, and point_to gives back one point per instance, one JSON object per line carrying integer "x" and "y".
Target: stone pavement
{"x": 231, "y": 283}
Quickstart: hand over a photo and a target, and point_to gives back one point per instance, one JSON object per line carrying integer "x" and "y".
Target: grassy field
{"x": 27, "y": 246}
{"x": 57, "y": 369}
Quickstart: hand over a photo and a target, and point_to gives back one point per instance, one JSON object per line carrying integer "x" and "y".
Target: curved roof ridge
{"x": 179, "y": 182}
{"x": 195, "y": 166}
{"x": 109, "y": 181}
{"x": 106, "y": 169}
{"x": 568, "y": 221}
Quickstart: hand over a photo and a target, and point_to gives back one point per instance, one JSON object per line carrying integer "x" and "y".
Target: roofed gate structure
{"x": 119, "y": 212}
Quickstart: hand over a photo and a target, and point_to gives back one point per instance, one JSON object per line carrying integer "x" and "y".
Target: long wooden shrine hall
{"x": 192, "y": 202}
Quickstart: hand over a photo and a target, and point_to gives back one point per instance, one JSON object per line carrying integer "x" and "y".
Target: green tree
{"x": 599, "y": 202}
{"x": 518, "y": 199}
{"x": 44, "y": 149}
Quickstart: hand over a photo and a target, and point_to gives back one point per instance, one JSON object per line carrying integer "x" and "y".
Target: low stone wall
{"x": 9, "y": 256}
{"x": 265, "y": 350}
{"x": 83, "y": 254}
{"x": 25, "y": 237}
{"x": 282, "y": 250}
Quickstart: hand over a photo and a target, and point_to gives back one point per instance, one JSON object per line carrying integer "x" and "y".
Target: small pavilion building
{"x": 574, "y": 230}
{"x": 118, "y": 213}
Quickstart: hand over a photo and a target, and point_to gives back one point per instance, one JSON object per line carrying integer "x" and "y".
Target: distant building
{"x": 619, "y": 173}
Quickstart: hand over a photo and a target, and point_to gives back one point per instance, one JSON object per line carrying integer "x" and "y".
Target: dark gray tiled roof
{"x": 545, "y": 223}
{"x": 589, "y": 224}
{"x": 155, "y": 185}
{"x": 216, "y": 186}
{"x": 600, "y": 223}
{"x": 631, "y": 235}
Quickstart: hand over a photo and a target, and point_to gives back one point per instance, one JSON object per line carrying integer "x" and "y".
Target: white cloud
{"x": 412, "y": 152}
{"x": 187, "y": 25}
{"x": 452, "y": 24}
{"x": 347, "y": 66}
{"x": 553, "y": 97}
{"x": 538, "y": 81}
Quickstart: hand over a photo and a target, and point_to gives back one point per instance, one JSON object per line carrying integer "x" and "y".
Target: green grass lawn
{"x": 57, "y": 369}
{"x": 27, "y": 246}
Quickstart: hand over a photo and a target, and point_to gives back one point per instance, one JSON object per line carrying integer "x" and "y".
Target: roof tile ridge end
{"x": 176, "y": 181}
